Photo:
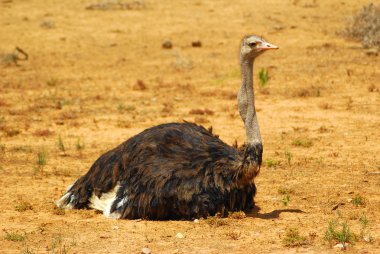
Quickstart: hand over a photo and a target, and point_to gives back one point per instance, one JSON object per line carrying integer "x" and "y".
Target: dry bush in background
{"x": 365, "y": 26}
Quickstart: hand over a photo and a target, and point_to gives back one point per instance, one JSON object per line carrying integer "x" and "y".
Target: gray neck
{"x": 246, "y": 102}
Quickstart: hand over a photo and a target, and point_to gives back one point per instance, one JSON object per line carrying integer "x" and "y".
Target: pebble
{"x": 145, "y": 250}
{"x": 115, "y": 227}
{"x": 367, "y": 239}
{"x": 341, "y": 246}
{"x": 167, "y": 44}
{"x": 196, "y": 44}
{"x": 196, "y": 221}
{"x": 179, "y": 235}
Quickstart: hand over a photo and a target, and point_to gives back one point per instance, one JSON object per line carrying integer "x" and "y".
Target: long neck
{"x": 246, "y": 103}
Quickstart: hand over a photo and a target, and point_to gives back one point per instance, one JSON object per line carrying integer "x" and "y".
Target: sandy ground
{"x": 319, "y": 116}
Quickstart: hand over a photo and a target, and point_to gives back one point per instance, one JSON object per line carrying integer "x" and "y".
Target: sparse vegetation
{"x": 288, "y": 156}
{"x": 358, "y": 200}
{"x": 41, "y": 158}
{"x": 43, "y": 133}
{"x": 79, "y": 145}
{"x": 364, "y": 229}
{"x": 14, "y": 237}
{"x": 121, "y": 107}
{"x": 61, "y": 145}
{"x": 233, "y": 235}
{"x": 323, "y": 129}
{"x": 28, "y": 251}
{"x": 58, "y": 210}
{"x": 285, "y": 191}
{"x": 264, "y": 77}
{"x": 302, "y": 142}
{"x": 2, "y": 147}
{"x": 271, "y": 163}
{"x": 365, "y": 26}
{"x": 11, "y": 132}
{"x": 293, "y": 238}
{"x": 286, "y": 199}
{"x": 237, "y": 215}
{"x": 23, "y": 206}
{"x": 343, "y": 235}
{"x": 216, "y": 221}
{"x": 59, "y": 246}
{"x": 52, "y": 82}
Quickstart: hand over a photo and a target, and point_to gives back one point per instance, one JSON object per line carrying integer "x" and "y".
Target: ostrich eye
{"x": 252, "y": 44}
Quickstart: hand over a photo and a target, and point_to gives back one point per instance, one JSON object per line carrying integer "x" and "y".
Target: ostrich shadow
{"x": 255, "y": 213}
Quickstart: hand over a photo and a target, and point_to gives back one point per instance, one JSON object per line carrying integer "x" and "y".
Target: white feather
{"x": 104, "y": 203}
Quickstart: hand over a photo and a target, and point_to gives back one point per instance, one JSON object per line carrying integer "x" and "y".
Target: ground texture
{"x": 97, "y": 74}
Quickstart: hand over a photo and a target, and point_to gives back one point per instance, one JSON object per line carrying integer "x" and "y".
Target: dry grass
{"x": 365, "y": 26}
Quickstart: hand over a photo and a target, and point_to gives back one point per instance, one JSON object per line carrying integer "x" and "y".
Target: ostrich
{"x": 178, "y": 170}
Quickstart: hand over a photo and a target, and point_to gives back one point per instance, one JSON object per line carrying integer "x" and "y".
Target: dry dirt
{"x": 319, "y": 115}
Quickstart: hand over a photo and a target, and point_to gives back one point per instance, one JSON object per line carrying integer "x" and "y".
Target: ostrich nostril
{"x": 268, "y": 45}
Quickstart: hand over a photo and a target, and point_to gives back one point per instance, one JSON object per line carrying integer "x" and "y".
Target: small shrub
{"x": 293, "y": 238}
{"x": 303, "y": 143}
{"x": 358, "y": 201}
{"x": 365, "y": 26}
{"x": 14, "y": 237}
{"x": 343, "y": 236}
{"x": 264, "y": 77}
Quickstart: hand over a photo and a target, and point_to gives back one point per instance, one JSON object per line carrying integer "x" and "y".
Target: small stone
{"x": 196, "y": 44}
{"x": 341, "y": 245}
{"x": 167, "y": 44}
{"x": 115, "y": 227}
{"x": 176, "y": 251}
{"x": 145, "y": 250}
{"x": 179, "y": 235}
{"x": 196, "y": 221}
{"x": 367, "y": 239}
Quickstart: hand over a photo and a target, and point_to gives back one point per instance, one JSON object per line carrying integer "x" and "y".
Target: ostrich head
{"x": 252, "y": 46}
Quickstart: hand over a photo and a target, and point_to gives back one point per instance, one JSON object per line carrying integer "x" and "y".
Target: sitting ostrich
{"x": 178, "y": 170}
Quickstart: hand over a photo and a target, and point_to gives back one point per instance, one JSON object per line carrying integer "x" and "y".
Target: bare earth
{"x": 319, "y": 115}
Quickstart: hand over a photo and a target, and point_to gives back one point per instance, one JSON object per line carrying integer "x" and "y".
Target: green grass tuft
{"x": 343, "y": 235}
{"x": 14, "y": 237}
{"x": 271, "y": 163}
{"x": 302, "y": 142}
{"x": 293, "y": 238}
{"x": 264, "y": 77}
{"x": 358, "y": 201}
{"x": 79, "y": 145}
{"x": 61, "y": 145}
{"x": 41, "y": 158}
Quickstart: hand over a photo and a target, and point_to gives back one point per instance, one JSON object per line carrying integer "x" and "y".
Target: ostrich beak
{"x": 267, "y": 46}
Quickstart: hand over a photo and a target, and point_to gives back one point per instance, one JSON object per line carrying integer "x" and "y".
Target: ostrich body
{"x": 178, "y": 170}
